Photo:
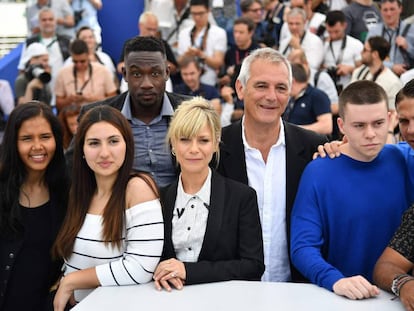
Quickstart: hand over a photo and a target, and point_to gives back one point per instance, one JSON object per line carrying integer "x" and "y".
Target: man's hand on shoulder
{"x": 331, "y": 149}
{"x": 355, "y": 287}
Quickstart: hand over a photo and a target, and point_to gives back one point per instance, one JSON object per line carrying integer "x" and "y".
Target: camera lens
{"x": 41, "y": 74}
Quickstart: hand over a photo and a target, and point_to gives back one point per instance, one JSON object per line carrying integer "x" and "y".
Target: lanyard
{"x": 203, "y": 39}
{"x": 392, "y": 35}
{"x": 288, "y": 46}
{"x": 341, "y": 52}
{"x": 75, "y": 74}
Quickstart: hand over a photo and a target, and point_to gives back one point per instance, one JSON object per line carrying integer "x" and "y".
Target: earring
{"x": 83, "y": 157}
{"x": 173, "y": 152}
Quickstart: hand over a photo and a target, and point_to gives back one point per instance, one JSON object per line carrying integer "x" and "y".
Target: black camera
{"x": 38, "y": 71}
{"x": 332, "y": 73}
{"x": 77, "y": 16}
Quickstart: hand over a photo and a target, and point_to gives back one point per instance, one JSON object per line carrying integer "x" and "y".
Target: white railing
{"x": 13, "y": 26}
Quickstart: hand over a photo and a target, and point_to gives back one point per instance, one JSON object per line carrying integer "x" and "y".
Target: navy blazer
{"x": 233, "y": 246}
{"x": 300, "y": 146}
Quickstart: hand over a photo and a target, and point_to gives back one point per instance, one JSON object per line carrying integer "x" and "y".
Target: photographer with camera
{"x": 33, "y": 82}
{"x": 86, "y": 14}
{"x": 83, "y": 81}
{"x": 342, "y": 53}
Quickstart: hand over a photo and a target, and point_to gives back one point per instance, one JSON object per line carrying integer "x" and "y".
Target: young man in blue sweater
{"x": 339, "y": 229}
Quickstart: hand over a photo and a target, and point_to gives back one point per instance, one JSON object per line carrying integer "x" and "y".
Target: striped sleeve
{"x": 144, "y": 239}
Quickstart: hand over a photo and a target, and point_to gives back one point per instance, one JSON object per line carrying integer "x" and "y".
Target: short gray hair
{"x": 296, "y": 12}
{"x": 267, "y": 54}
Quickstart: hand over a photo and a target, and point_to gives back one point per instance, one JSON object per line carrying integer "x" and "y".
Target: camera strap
{"x": 75, "y": 74}
{"x": 288, "y": 46}
{"x": 203, "y": 39}
{"x": 392, "y": 35}
{"x": 341, "y": 51}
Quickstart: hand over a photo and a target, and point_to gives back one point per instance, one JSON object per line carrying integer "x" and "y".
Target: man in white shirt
{"x": 314, "y": 20}
{"x": 342, "y": 53}
{"x": 205, "y": 41}
{"x": 268, "y": 154}
{"x": 300, "y": 38}
{"x": 375, "y": 51}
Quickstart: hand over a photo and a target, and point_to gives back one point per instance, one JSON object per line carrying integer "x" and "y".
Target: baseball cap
{"x": 33, "y": 50}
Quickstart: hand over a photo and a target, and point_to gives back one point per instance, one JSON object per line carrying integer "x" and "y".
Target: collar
{"x": 281, "y": 140}
{"x": 166, "y": 109}
{"x": 304, "y": 91}
{"x": 203, "y": 194}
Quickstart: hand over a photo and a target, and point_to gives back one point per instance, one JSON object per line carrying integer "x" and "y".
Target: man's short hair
{"x": 144, "y": 16}
{"x": 46, "y": 9}
{"x": 399, "y": 2}
{"x": 78, "y": 47}
{"x": 144, "y": 44}
{"x": 380, "y": 45}
{"x": 246, "y": 21}
{"x": 204, "y": 3}
{"x": 297, "y": 12}
{"x": 266, "y": 54}
{"x": 406, "y": 92}
{"x": 333, "y": 17}
{"x": 299, "y": 73}
{"x": 246, "y": 4}
{"x": 363, "y": 92}
{"x": 186, "y": 60}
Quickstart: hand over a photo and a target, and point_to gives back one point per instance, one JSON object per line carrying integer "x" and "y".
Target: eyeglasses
{"x": 198, "y": 13}
{"x": 81, "y": 61}
{"x": 258, "y": 10}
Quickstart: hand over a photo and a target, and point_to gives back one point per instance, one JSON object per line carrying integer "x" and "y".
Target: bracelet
{"x": 399, "y": 281}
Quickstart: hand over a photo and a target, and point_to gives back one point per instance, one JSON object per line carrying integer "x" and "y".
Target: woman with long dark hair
{"x": 33, "y": 196}
{"x": 113, "y": 231}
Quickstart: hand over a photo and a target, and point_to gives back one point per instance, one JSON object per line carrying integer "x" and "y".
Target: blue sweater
{"x": 345, "y": 213}
{"x": 408, "y": 153}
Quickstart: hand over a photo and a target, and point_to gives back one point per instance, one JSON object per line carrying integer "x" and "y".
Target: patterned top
{"x": 134, "y": 262}
{"x": 403, "y": 239}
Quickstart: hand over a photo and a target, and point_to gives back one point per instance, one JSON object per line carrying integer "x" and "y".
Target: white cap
{"x": 33, "y": 50}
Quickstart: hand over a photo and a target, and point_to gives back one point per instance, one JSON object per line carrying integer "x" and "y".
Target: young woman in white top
{"x": 113, "y": 231}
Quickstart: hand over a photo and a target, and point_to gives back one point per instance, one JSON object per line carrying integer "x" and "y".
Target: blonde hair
{"x": 190, "y": 117}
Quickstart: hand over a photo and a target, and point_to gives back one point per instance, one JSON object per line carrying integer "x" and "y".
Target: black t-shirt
{"x": 28, "y": 285}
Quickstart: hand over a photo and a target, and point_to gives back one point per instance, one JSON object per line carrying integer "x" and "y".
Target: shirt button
{"x": 150, "y": 150}
{"x": 192, "y": 205}
{"x": 7, "y": 268}
{"x": 11, "y": 255}
{"x": 188, "y": 228}
{"x": 190, "y": 249}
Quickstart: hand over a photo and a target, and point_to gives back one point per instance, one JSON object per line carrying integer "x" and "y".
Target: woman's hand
{"x": 171, "y": 271}
{"x": 63, "y": 295}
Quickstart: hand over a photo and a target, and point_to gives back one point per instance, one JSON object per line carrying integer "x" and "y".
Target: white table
{"x": 233, "y": 295}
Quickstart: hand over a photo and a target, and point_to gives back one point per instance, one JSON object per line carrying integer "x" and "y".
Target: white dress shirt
{"x": 190, "y": 220}
{"x": 269, "y": 181}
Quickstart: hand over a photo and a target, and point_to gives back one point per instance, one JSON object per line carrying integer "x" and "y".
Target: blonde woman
{"x": 211, "y": 223}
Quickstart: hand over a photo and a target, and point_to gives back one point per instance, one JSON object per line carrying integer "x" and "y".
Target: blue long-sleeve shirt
{"x": 345, "y": 213}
